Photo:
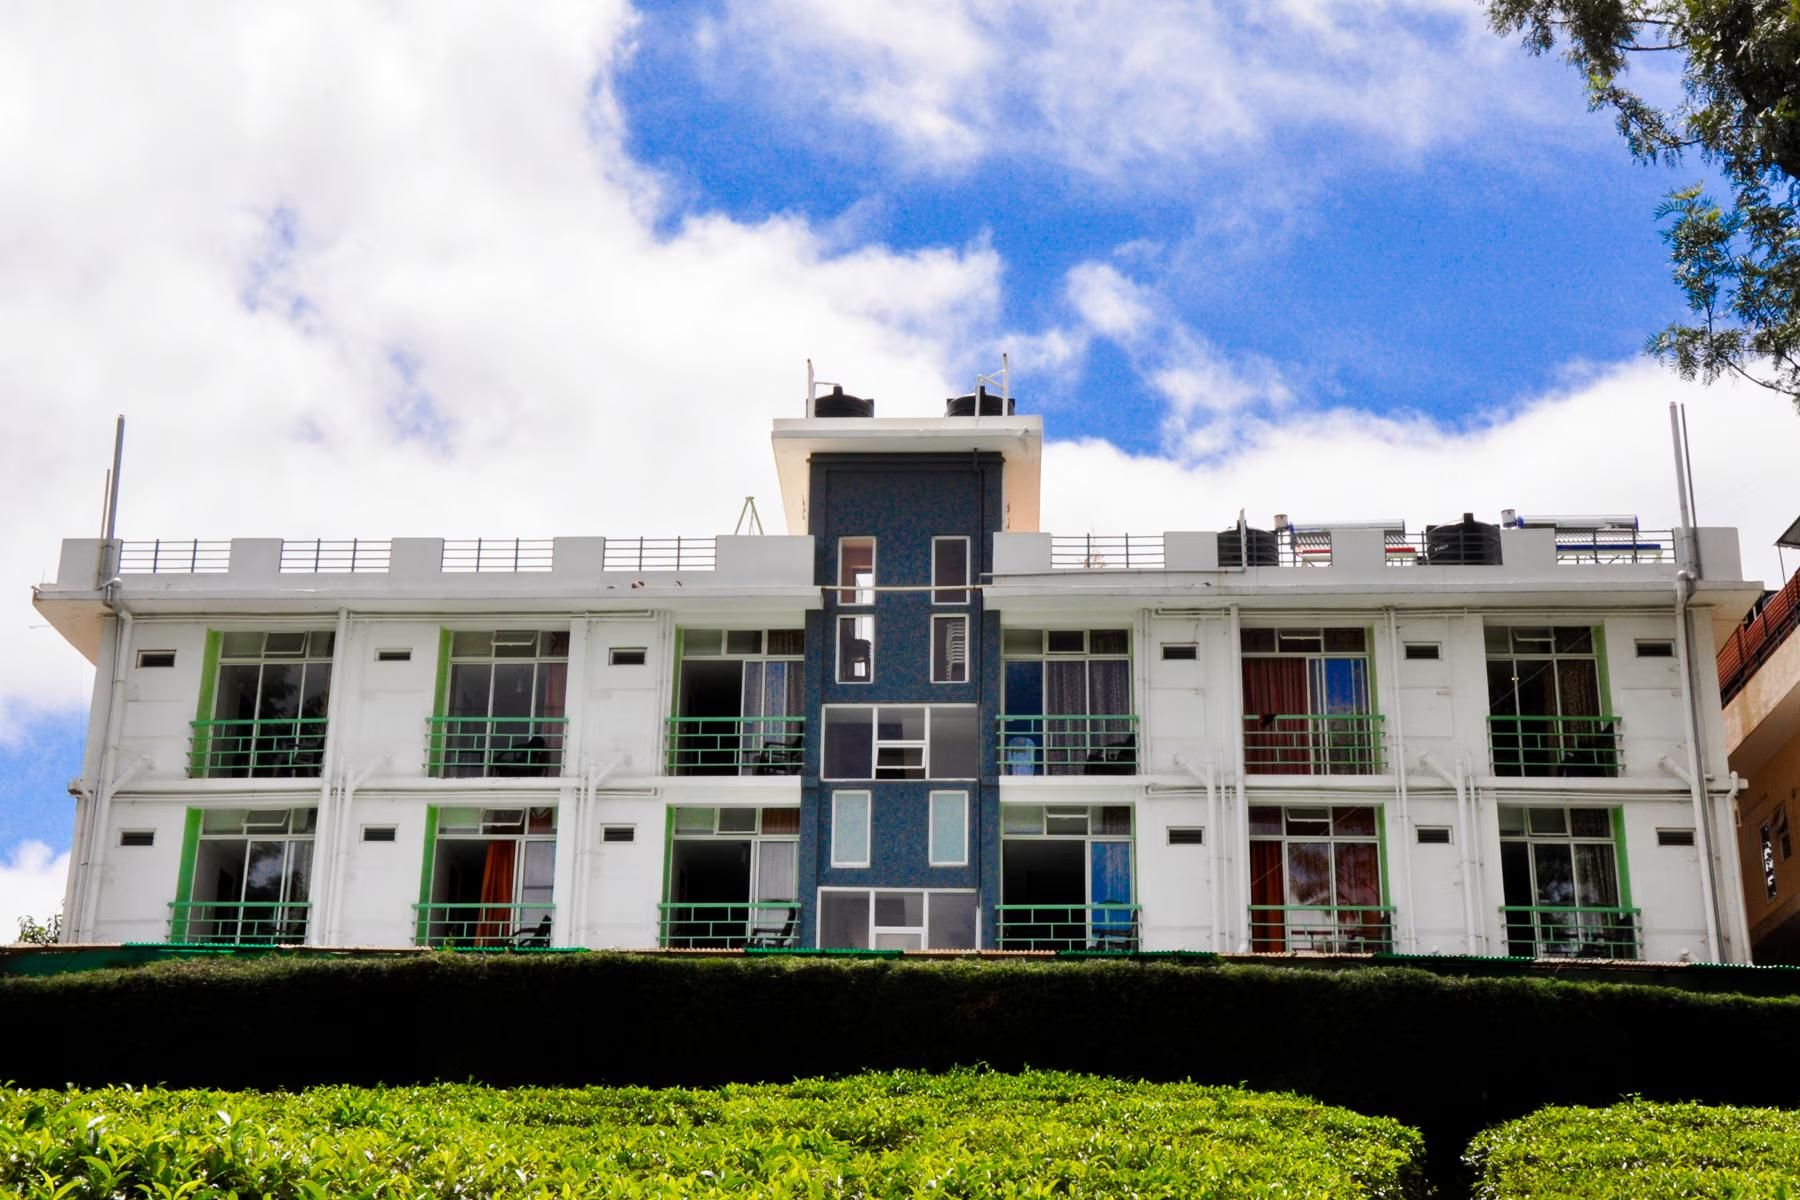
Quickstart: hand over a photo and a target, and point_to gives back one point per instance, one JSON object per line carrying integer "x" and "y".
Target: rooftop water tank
{"x": 1256, "y": 548}
{"x": 1465, "y": 543}
{"x": 983, "y": 401}
{"x": 841, "y": 404}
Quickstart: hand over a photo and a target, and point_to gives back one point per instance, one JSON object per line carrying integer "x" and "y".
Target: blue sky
{"x": 1339, "y": 256}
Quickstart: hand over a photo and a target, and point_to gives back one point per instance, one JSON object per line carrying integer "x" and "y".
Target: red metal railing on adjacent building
{"x": 1758, "y": 637}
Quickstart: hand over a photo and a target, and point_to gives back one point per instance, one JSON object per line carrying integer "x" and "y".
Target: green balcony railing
{"x": 1561, "y": 931}
{"x": 1052, "y": 744}
{"x": 477, "y": 926}
{"x": 494, "y": 747}
{"x": 1067, "y": 926}
{"x": 735, "y": 745}
{"x": 1563, "y": 747}
{"x": 1322, "y": 928}
{"x": 1312, "y": 744}
{"x": 757, "y": 924}
{"x": 267, "y": 747}
{"x": 238, "y": 922}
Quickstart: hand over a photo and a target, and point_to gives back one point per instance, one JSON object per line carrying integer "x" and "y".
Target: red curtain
{"x": 1268, "y": 934}
{"x": 496, "y": 924}
{"x": 1276, "y": 687}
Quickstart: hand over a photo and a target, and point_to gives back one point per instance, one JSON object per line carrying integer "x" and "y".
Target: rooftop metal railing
{"x": 356, "y": 556}
{"x": 1606, "y": 547}
{"x": 1107, "y": 552}
{"x": 469, "y": 555}
{"x": 190, "y": 557}
{"x": 1305, "y": 547}
{"x": 660, "y": 554}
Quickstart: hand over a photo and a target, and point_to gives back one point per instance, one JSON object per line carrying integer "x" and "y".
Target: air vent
{"x": 1434, "y": 835}
{"x": 1674, "y": 837}
{"x": 1191, "y": 835}
{"x": 618, "y": 833}
{"x": 156, "y": 658}
{"x": 378, "y": 833}
{"x": 1423, "y": 651}
{"x": 1180, "y": 652}
{"x": 401, "y": 654}
{"x": 137, "y": 837}
{"x": 627, "y": 656}
{"x": 1655, "y": 648}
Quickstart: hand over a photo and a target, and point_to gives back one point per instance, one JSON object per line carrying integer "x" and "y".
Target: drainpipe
{"x": 89, "y": 888}
{"x": 584, "y": 847}
{"x": 329, "y": 835}
{"x": 1208, "y": 775}
{"x": 1696, "y": 780}
{"x": 347, "y": 785}
{"x": 1464, "y": 834}
{"x": 1400, "y": 791}
{"x": 1235, "y": 658}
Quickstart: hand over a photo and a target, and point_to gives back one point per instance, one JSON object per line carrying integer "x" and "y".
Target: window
{"x": 856, "y": 649}
{"x": 493, "y": 875}
{"x": 505, "y": 705}
{"x": 155, "y": 658}
{"x": 1675, "y": 837}
{"x": 1781, "y": 833}
{"x": 901, "y": 741}
{"x": 1423, "y": 651}
{"x": 856, "y": 570}
{"x": 738, "y": 703}
{"x": 1189, "y": 835}
{"x": 860, "y": 919}
{"x": 618, "y": 833}
{"x": 1067, "y": 703}
{"x": 732, "y": 875}
{"x": 850, "y": 829}
{"x": 377, "y": 833}
{"x": 1560, "y": 876}
{"x": 251, "y": 880}
{"x": 950, "y": 570}
{"x": 1315, "y": 879}
{"x": 1655, "y": 648}
{"x": 1180, "y": 652}
{"x": 949, "y": 832}
{"x": 950, "y": 649}
{"x": 268, "y": 713}
{"x": 1434, "y": 835}
{"x": 400, "y": 654}
{"x": 626, "y": 656}
{"x": 1066, "y": 878}
{"x": 1546, "y": 710}
{"x": 1771, "y": 881}
{"x": 137, "y": 837}
{"x": 1307, "y": 707}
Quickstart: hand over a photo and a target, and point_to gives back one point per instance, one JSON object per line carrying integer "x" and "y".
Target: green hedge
{"x": 1641, "y": 1151}
{"x": 1449, "y": 1056}
{"x": 963, "y": 1134}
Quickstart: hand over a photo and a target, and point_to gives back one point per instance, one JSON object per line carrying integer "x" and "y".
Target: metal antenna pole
{"x": 109, "y": 549}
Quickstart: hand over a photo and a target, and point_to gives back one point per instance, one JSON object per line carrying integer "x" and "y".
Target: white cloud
{"x": 1110, "y": 88}
{"x": 31, "y": 885}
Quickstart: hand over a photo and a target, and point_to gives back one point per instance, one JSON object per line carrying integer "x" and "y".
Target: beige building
{"x": 1759, "y": 680}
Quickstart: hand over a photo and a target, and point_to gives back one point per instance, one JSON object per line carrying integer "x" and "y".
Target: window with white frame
{"x": 950, "y": 570}
{"x": 901, "y": 741}
{"x": 504, "y": 706}
{"x": 252, "y": 877}
{"x": 1560, "y": 877}
{"x": 950, "y": 649}
{"x": 268, "y": 713}
{"x": 913, "y": 919}
{"x": 1066, "y": 878}
{"x": 493, "y": 875}
{"x": 856, "y": 648}
{"x": 850, "y": 829}
{"x": 949, "y": 829}
{"x": 732, "y": 875}
{"x": 856, "y": 571}
{"x": 1315, "y": 879}
{"x": 1067, "y": 702}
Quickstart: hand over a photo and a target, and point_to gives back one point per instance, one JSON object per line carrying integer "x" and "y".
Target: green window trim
{"x": 209, "y": 686}
{"x": 440, "y": 698}
{"x": 190, "y": 850}
{"x": 1624, "y": 861}
{"x": 428, "y": 858}
{"x": 668, "y": 848}
{"x": 1603, "y": 679}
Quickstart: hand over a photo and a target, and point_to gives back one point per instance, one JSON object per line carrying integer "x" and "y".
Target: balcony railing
{"x": 189, "y": 557}
{"x": 735, "y": 745}
{"x": 660, "y": 554}
{"x": 483, "y": 926}
{"x": 1322, "y": 928}
{"x": 353, "y": 556}
{"x": 758, "y": 924}
{"x": 1560, "y": 747}
{"x": 238, "y": 922}
{"x": 1107, "y": 552}
{"x": 1049, "y": 744}
{"x": 1312, "y": 744}
{"x": 1762, "y": 632}
{"x": 1554, "y": 931}
{"x": 494, "y": 747}
{"x": 1067, "y": 926}
{"x": 265, "y": 748}
{"x": 505, "y": 555}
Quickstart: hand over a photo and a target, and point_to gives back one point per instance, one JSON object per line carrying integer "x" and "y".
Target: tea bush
{"x": 967, "y": 1133}
{"x": 1641, "y": 1151}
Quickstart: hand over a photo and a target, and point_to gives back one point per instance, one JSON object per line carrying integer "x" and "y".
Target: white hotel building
{"x": 915, "y": 722}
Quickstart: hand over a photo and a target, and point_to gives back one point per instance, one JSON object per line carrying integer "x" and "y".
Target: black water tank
{"x": 1466, "y": 543}
{"x": 841, "y": 404}
{"x": 1264, "y": 550}
{"x": 989, "y": 404}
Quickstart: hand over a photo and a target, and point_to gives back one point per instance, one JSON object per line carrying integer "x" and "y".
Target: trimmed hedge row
{"x": 1640, "y": 1151}
{"x": 1449, "y": 1056}
{"x": 963, "y": 1134}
